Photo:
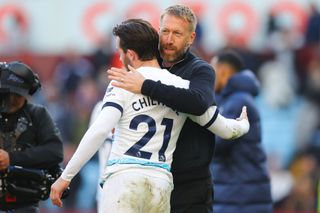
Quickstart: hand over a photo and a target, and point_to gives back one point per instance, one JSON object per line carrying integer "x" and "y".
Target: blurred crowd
{"x": 288, "y": 67}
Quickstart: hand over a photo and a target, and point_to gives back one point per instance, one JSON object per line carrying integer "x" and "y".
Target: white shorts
{"x": 136, "y": 190}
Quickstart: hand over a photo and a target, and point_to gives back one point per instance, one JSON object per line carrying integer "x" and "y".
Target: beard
{"x": 126, "y": 62}
{"x": 174, "y": 55}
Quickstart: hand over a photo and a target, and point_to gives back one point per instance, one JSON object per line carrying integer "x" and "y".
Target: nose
{"x": 169, "y": 38}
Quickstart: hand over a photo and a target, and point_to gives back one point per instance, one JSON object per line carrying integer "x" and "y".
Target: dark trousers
{"x": 192, "y": 197}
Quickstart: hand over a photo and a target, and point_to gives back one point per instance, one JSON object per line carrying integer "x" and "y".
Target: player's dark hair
{"x": 231, "y": 58}
{"x": 138, "y": 35}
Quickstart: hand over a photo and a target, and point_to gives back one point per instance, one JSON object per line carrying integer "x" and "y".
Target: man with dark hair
{"x": 30, "y": 143}
{"x": 239, "y": 170}
{"x": 138, "y": 176}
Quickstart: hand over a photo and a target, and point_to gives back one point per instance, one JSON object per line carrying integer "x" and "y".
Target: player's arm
{"x": 92, "y": 140}
{"x": 105, "y": 149}
{"x": 223, "y": 127}
{"x": 89, "y": 144}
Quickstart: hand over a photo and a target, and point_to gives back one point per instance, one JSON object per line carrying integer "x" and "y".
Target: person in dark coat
{"x": 30, "y": 143}
{"x": 239, "y": 169}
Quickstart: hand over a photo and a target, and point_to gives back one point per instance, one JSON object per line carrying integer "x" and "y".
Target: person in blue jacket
{"x": 239, "y": 169}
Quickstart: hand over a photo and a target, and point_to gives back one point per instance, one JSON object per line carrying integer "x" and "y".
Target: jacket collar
{"x": 188, "y": 56}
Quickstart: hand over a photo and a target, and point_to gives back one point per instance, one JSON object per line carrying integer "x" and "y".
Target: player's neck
{"x": 150, "y": 63}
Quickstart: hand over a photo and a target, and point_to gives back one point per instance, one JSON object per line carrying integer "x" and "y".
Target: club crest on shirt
{"x": 109, "y": 89}
{"x": 109, "y": 92}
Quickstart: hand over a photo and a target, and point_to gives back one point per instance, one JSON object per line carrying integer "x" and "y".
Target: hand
{"x": 131, "y": 81}
{"x": 244, "y": 117}
{"x": 4, "y": 160}
{"x": 243, "y": 114}
{"x": 57, "y": 188}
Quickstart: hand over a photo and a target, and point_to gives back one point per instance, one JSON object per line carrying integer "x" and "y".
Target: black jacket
{"x": 41, "y": 142}
{"x": 195, "y": 146}
{"x": 39, "y": 146}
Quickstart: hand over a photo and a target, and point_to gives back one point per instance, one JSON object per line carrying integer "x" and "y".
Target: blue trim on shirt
{"x": 140, "y": 162}
{"x": 214, "y": 117}
{"x": 113, "y": 105}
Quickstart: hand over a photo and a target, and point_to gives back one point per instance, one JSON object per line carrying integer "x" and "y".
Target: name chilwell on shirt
{"x": 146, "y": 102}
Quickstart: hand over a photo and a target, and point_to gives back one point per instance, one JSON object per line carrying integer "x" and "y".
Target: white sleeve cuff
{"x": 229, "y": 128}
{"x": 221, "y": 126}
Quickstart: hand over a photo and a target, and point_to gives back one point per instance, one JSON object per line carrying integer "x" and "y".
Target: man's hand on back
{"x": 131, "y": 81}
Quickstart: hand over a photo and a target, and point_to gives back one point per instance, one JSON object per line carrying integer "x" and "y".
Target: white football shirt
{"x": 147, "y": 131}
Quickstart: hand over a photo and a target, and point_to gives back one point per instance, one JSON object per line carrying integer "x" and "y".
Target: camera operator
{"x": 30, "y": 143}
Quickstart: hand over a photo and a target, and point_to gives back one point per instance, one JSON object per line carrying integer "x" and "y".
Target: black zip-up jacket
{"x": 38, "y": 147}
{"x": 195, "y": 146}
{"x": 41, "y": 142}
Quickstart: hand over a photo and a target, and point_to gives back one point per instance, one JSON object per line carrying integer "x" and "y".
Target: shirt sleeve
{"x": 115, "y": 97}
{"x": 221, "y": 126}
{"x": 112, "y": 108}
{"x": 92, "y": 140}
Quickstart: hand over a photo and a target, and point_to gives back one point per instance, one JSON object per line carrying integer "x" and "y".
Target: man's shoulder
{"x": 196, "y": 62}
{"x": 33, "y": 107}
{"x": 36, "y": 111}
{"x": 193, "y": 58}
{"x": 163, "y": 75}
{"x": 199, "y": 62}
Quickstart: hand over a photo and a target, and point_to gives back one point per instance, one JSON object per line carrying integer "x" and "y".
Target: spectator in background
{"x": 102, "y": 57}
{"x": 279, "y": 75}
{"x": 57, "y": 109}
{"x": 305, "y": 173}
{"x": 312, "y": 34}
{"x": 308, "y": 128}
{"x": 70, "y": 71}
{"x": 68, "y": 76}
{"x": 239, "y": 169}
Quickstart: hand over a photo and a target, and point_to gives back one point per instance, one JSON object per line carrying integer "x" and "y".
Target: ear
{"x": 191, "y": 38}
{"x": 132, "y": 55}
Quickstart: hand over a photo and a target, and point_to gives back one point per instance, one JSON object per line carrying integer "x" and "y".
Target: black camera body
{"x": 32, "y": 183}
{"x": 25, "y": 185}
